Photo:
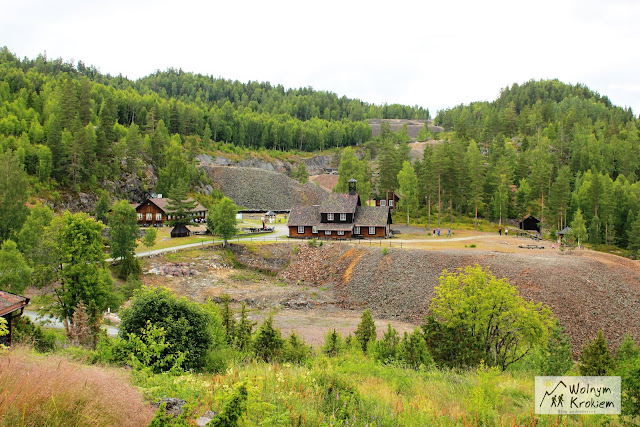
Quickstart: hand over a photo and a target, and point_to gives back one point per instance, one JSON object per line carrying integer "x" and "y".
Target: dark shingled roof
{"x": 304, "y": 215}
{"x": 10, "y": 302}
{"x": 335, "y": 226}
{"x": 339, "y": 203}
{"x": 564, "y": 231}
{"x": 162, "y": 204}
{"x": 370, "y": 216}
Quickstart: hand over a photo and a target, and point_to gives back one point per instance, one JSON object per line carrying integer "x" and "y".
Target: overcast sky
{"x": 433, "y": 54}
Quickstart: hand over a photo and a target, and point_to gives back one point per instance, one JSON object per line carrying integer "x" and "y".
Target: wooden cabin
{"x": 11, "y": 306}
{"x": 531, "y": 223}
{"x": 340, "y": 216}
{"x": 390, "y": 200}
{"x": 153, "y": 212}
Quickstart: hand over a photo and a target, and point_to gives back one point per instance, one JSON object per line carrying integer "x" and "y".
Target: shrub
{"x": 149, "y": 349}
{"x": 268, "y": 341}
{"x": 451, "y": 346}
{"x": 233, "y": 409}
{"x": 295, "y": 349}
{"x": 491, "y": 311}
{"x": 27, "y": 332}
{"x": 595, "y": 359}
{"x": 413, "y": 351}
{"x": 386, "y": 349}
{"x": 384, "y": 251}
{"x": 313, "y": 242}
{"x": 186, "y": 324}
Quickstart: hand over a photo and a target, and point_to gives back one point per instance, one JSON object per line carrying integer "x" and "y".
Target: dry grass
{"x": 38, "y": 390}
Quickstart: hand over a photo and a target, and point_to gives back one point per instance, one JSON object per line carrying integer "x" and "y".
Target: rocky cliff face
{"x": 315, "y": 165}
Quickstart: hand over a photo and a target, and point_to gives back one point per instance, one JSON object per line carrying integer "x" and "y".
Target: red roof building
{"x": 11, "y": 306}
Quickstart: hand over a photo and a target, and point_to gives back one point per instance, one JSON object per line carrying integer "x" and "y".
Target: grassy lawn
{"x": 164, "y": 240}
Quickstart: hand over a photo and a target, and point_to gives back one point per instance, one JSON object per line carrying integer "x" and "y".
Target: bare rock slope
{"x": 260, "y": 189}
{"x": 587, "y": 291}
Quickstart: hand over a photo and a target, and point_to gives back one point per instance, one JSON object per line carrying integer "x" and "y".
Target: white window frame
{"x": 149, "y": 216}
{"x": 391, "y": 203}
{"x": 329, "y": 217}
{"x": 301, "y": 229}
{"x": 372, "y": 231}
{"x": 327, "y": 232}
{"x": 314, "y": 229}
{"x": 158, "y": 216}
{"x": 139, "y": 216}
{"x": 356, "y": 230}
{"x": 383, "y": 203}
{"x": 343, "y": 217}
{"x": 340, "y": 232}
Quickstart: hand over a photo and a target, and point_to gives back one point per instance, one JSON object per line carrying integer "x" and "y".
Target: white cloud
{"x": 434, "y": 54}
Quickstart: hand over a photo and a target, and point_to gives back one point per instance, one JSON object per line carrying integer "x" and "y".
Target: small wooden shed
{"x": 11, "y": 306}
{"x": 180, "y": 230}
{"x": 531, "y": 223}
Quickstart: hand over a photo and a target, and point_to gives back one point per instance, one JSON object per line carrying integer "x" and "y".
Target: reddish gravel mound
{"x": 586, "y": 290}
{"x": 326, "y": 180}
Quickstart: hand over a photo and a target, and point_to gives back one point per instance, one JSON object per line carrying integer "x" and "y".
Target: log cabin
{"x": 340, "y": 216}
{"x": 153, "y": 212}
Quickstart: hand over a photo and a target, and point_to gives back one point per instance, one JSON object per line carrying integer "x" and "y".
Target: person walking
{"x": 449, "y": 233}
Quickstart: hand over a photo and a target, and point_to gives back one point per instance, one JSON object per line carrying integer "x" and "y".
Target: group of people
{"x": 438, "y": 232}
{"x": 506, "y": 231}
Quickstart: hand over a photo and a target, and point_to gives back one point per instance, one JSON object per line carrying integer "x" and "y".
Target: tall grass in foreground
{"x": 354, "y": 390}
{"x": 37, "y": 390}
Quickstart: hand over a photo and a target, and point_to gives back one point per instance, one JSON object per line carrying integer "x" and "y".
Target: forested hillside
{"x": 556, "y": 151}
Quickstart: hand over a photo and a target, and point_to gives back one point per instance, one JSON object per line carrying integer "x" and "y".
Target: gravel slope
{"x": 586, "y": 290}
{"x": 252, "y": 188}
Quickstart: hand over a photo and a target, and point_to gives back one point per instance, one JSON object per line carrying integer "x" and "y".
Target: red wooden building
{"x": 390, "y": 200}
{"x": 340, "y": 216}
{"x": 153, "y": 211}
{"x": 11, "y": 306}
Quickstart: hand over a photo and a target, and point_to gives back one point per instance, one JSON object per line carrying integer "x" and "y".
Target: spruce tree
{"x": 179, "y": 206}
{"x": 558, "y": 358}
{"x": 366, "y": 331}
{"x": 595, "y": 359}
{"x": 268, "y": 341}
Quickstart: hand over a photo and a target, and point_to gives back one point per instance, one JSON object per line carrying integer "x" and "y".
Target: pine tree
{"x": 268, "y": 342}
{"x": 179, "y": 206}
{"x": 558, "y": 357}
{"x": 228, "y": 321}
{"x": 627, "y": 350}
{"x": 474, "y": 169}
{"x": 103, "y": 207}
{"x": 244, "y": 330}
{"x": 332, "y": 344}
{"x": 366, "y": 331}
{"x": 408, "y": 190}
{"x": 595, "y": 359}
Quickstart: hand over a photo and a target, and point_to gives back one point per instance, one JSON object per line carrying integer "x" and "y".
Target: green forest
{"x": 545, "y": 148}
